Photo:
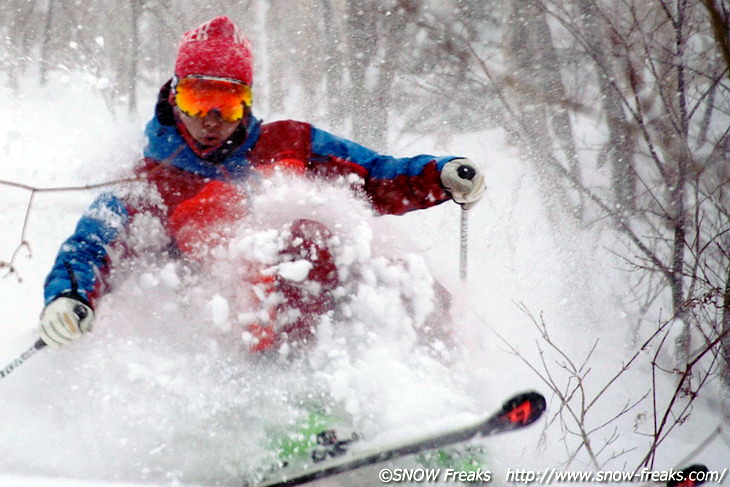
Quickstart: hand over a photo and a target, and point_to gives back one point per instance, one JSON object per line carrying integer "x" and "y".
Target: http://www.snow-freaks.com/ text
{"x": 548, "y": 476}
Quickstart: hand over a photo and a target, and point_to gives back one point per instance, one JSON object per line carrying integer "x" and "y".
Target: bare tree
{"x": 659, "y": 92}
{"x": 334, "y": 65}
{"x": 361, "y": 35}
{"x": 619, "y": 148}
{"x": 536, "y": 92}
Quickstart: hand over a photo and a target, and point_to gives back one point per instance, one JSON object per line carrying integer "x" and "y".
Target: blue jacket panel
{"x": 83, "y": 257}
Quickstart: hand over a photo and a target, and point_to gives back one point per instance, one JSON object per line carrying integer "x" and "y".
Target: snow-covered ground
{"x": 163, "y": 393}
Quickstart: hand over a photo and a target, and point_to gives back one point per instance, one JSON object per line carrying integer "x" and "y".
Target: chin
{"x": 207, "y": 141}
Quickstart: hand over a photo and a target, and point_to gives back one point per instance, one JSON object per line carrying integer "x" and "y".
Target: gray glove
{"x": 64, "y": 320}
{"x": 463, "y": 179}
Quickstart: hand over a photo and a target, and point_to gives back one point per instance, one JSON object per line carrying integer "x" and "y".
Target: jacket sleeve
{"x": 83, "y": 259}
{"x": 393, "y": 185}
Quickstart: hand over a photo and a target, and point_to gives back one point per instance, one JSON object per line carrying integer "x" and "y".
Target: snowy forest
{"x": 599, "y": 263}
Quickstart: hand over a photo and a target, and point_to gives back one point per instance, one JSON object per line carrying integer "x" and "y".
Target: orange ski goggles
{"x": 198, "y": 95}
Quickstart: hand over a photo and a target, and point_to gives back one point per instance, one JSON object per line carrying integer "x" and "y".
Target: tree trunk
{"x": 362, "y": 42}
{"x": 527, "y": 59}
{"x": 276, "y": 24}
{"x": 46, "y": 46}
{"x": 550, "y": 83}
{"x": 725, "y": 346}
{"x": 620, "y": 141}
{"x": 679, "y": 189}
{"x": 134, "y": 53}
{"x": 394, "y": 26}
{"x": 334, "y": 68}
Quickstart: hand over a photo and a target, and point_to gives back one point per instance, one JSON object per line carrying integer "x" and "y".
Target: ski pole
{"x": 38, "y": 345}
{"x": 464, "y": 242}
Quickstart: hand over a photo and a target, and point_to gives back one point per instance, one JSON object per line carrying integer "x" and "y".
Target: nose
{"x": 212, "y": 119}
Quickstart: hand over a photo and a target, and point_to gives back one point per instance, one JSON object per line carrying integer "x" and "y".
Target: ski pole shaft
{"x": 464, "y": 242}
{"x": 38, "y": 345}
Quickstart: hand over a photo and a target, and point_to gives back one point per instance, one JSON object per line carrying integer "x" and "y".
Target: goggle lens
{"x": 198, "y": 96}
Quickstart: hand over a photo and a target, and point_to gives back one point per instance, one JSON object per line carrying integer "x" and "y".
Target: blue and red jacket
{"x": 179, "y": 170}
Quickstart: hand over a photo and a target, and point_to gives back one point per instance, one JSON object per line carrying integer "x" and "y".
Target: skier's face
{"x": 210, "y": 130}
{"x": 210, "y": 107}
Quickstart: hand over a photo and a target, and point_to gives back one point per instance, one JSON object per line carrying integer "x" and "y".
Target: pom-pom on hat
{"x": 215, "y": 48}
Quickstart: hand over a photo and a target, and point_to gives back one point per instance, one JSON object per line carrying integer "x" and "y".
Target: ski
{"x": 692, "y": 476}
{"x": 518, "y": 412}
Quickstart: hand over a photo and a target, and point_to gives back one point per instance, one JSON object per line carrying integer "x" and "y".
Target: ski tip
{"x": 689, "y": 476}
{"x": 523, "y": 409}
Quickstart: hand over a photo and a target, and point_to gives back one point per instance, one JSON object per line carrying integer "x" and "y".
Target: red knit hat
{"x": 216, "y": 48}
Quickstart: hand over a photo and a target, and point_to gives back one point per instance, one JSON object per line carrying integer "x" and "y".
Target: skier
{"x": 202, "y": 143}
